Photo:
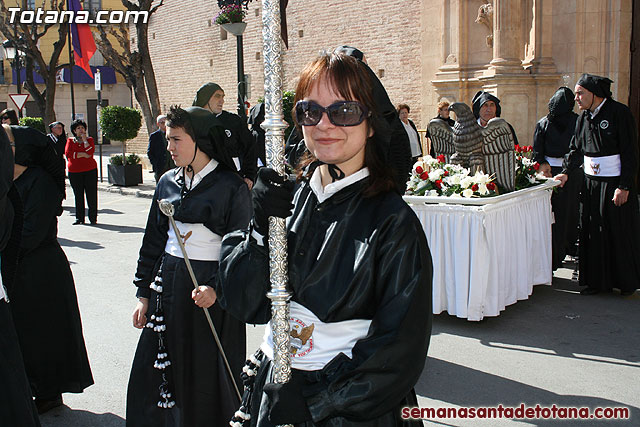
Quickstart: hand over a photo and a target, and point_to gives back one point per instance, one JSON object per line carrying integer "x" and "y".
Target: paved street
{"x": 556, "y": 348}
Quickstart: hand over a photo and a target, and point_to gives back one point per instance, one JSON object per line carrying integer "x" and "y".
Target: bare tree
{"x": 134, "y": 62}
{"x": 26, "y": 37}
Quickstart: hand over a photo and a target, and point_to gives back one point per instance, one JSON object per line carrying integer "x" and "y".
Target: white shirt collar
{"x": 597, "y": 110}
{"x": 209, "y": 167}
{"x": 324, "y": 193}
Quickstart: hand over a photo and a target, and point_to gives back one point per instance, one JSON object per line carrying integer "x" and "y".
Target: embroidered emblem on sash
{"x": 228, "y": 132}
{"x": 595, "y": 167}
{"x": 604, "y": 124}
{"x": 301, "y": 341}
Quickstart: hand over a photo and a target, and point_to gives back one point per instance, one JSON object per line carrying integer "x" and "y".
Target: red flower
{"x": 424, "y": 176}
{"x": 419, "y": 170}
{"x": 474, "y": 187}
{"x": 446, "y": 173}
{"x": 536, "y": 166}
{"x": 517, "y": 148}
{"x": 440, "y": 158}
{"x": 491, "y": 186}
{"x": 438, "y": 184}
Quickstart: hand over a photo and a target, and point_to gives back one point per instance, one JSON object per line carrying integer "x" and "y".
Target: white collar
{"x": 324, "y": 193}
{"x": 597, "y": 110}
{"x": 209, "y": 167}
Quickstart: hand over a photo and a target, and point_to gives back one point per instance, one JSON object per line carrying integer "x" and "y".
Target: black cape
{"x": 350, "y": 257}
{"x": 197, "y": 377}
{"x": 610, "y": 235}
{"x": 43, "y": 298}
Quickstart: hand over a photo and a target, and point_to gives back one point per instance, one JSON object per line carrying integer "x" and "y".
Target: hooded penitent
{"x": 599, "y": 86}
{"x": 33, "y": 148}
{"x": 203, "y": 95}
{"x": 6, "y": 181}
{"x": 480, "y": 98}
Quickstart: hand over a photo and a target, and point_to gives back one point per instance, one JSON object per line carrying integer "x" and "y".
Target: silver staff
{"x": 167, "y": 208}
{"x": 274, "y": 125}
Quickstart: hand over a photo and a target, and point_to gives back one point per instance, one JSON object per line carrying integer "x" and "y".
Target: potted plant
{"x": 231, "y": 18}
{"x": 122, "y": 124}
{"x": 33, "y": 122}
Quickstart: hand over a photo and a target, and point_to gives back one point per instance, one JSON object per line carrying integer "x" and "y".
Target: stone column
{"x": 507, "y": 46}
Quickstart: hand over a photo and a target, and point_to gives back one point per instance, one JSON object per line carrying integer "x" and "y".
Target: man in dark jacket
{"x": 157, "y": 149}
{"x": 606, "y": 146}
{"x": 239, "y": 140}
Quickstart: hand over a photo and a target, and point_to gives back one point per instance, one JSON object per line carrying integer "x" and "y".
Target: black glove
{"x": 272, "y": 195}
{"x": 285, "y": 402}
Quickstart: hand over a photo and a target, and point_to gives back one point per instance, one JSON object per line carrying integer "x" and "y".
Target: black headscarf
{"x": 209, "y": 133}
{"x": 204, "y": 94}
{"x": 561, "y": 102}
{"x": 33, "y": 148}
{"x": 480, "y": 98}
{"x": 599, "y": 86}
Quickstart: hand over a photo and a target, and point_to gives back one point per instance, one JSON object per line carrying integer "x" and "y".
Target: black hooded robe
{"x": 551, "y": 138}
{"x": 43, "y": 299}
{"x": 609, "y": 248}
{"x": 197, "y": 376}
{"x": 349, "y": 257}
{"x": 16, "y": 401}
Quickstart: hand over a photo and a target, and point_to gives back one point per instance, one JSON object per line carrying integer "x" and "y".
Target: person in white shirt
{"x": 412, "y": 131}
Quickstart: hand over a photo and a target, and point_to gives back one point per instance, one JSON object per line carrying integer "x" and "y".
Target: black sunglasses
{"x": 341, "y": 113}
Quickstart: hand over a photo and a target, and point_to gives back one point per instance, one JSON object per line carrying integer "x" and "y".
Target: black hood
{"x": 598, "y": 85}
{"x": 210, "y": 135}
{"x": 480, "y": 98}
{"x": 561, "y": 102}
{"x": 203, "y": 95}
{"x": 33, "y": 148}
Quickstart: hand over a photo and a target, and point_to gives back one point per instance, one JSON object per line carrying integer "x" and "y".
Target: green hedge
{"x": 33, "y": 122}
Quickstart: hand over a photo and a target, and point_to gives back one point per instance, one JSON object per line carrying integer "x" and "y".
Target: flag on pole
{"x": 83, "y": 45}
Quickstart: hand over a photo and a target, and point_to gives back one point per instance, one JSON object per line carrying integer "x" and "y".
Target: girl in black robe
{"x": 178, "y": 377}
{"x": 43, "y": 298}
{"x": 551, "y": 140}
{"x": 359, "y": 268}
{"x": 16, "y": 402}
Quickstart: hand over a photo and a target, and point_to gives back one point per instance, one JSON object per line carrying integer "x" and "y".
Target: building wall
{"x": 423, "y": 50}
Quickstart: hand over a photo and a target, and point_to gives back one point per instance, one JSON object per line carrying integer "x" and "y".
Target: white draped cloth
{"x": 489, "y": 256}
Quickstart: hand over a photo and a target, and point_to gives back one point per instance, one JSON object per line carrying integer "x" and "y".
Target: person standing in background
{"x": 157, "y": 150}
{"x": 412, "y": 131}
{"x": 58, "y": 137}
{"x": 83, "y": 171}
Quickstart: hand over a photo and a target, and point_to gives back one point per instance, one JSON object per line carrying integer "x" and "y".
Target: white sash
{"x": 200, "y": 242}
{"x": 313, "y": 342}
{"x": 555, "y": 162}
{"x": 602, "y": 166}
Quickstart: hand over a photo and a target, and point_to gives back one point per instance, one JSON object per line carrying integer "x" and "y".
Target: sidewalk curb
{"x": 125, "y": 191}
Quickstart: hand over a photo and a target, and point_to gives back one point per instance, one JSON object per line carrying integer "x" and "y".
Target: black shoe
{"x": 45, "y": 405}
{"x": 589, "y": 291}
{"x": 78, "y": 222}
{"x": 627, "y": 293}
{"x": 94, "y": 222}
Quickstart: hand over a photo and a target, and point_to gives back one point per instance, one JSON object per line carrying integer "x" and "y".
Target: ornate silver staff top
{"x": 274, "y": 125}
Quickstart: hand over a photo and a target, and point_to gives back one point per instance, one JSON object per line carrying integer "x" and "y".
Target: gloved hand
{"x": 272, "y": 195}
{"x": 285, "y": 402}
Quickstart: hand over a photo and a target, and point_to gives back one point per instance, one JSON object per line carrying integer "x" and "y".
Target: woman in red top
{"x": 83, "y": 171}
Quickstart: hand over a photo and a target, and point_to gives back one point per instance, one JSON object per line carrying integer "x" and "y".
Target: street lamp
{"x": 15, "y": 58}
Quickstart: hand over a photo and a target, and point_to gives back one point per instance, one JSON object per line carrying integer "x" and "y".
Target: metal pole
{"x": 71, "y": 62}
{"x": 99, "y": 130}
{"x": 241, "y": 85}
{"x": 275, "y": 126}
{"x": 17, "y": 62}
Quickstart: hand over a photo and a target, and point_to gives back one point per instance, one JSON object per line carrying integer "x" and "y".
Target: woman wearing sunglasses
{"x": 359, "y": 267}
